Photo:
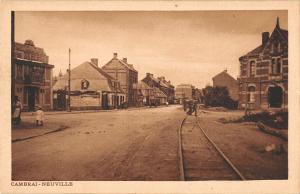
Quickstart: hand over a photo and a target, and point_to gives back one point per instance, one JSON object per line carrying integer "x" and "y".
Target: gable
{"x": 114, "y": 64}
{"x": 224, "y": 77}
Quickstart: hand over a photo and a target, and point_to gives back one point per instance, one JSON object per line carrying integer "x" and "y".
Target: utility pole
{"x": 12, "y": 58}
{"x": 69, "y": 83}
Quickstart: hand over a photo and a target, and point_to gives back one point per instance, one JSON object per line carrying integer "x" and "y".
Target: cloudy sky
{"x": 184, "y": 46}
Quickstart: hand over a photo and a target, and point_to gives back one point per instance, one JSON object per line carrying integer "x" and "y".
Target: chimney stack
{"x": 125, "y": 60}
{"x": 115, "y": 55}
{"x": 94, "y": 61}
{"x": 265, "y": 38}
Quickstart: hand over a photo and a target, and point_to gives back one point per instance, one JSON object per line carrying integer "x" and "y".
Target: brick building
{"x": 91, "y": 88}
{"x": 165, "y": 86}
{"x": 263, "y": 81}
{"x": 33, "y": 76}
{"x": 223, "y": 79}
{"x": 125, "y": 74}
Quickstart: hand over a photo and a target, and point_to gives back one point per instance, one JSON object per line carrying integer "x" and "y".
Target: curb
{"x": 90, "y": 111}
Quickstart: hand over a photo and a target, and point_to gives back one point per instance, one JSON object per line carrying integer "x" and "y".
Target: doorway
{"x": 104, "y": 101}
{"x": 31, "y": 98}
{"x": 275, "y": 97}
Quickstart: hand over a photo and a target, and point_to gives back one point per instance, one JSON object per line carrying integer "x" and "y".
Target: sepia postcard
{"x": 149, "y": 96}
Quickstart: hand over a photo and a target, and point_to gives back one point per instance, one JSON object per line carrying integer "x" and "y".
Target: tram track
{"x": 199, "y": 156}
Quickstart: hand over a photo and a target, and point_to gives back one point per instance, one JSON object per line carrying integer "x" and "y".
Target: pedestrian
{"x": 167, "y": 103}
{"x": 195, "y": 107}
{"x": 184, "y": 105}
{"x": 40, "y": 116}
{"x": 190, "y": 107}
{"x": 17, "y": 109}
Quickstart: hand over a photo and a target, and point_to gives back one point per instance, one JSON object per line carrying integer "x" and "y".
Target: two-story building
{"x": 33, "y": 76}
{"x": 184, "y": 92}
{"x": 223, "y": 79}
{"x": 91, "y": 88}
{"x": 263, "y": 81}
{"x": 125, "y": 73}
{"x": 164, "y": 86}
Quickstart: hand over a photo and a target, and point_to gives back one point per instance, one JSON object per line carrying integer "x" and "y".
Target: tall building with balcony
{"x": 263, "y": 80}
{"x": 33, "y": 76}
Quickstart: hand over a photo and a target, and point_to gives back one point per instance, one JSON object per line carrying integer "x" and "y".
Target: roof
{"x": 129, "y": 66}
{"x": 141, "y": 86}
{"x": 255, "y": 51}
{"x": 283, "y": 33}
{"x": 224, "y": 73}
{"x": 158, "y": 93}
{"x": 97, "y": 78}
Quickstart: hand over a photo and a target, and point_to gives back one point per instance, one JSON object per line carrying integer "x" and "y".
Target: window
{"x": 251, "y": 94}
{"x": 276, "y": 66}
{"x": 84, "y": 84}
{"x": 252, "y": 68}
{"x": 19, "y": 72}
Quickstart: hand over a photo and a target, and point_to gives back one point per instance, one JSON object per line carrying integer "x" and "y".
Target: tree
{"x": 218, "y": 96}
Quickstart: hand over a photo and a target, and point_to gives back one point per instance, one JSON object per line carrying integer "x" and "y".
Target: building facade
{"x": 33, "y": 76}
{"x": 263, "y": 81}
{"x": 125, "y": 74}
{"x": 223, "y": 79}
{"x": 165, "y": 86}
{"x": 91, "y": 88}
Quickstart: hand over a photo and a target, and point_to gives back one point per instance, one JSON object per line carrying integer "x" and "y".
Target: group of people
{"x": 17, "y": 108}
{"x": 190, "y": 106}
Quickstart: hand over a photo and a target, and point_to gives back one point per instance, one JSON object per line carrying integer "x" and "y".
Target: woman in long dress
{"x": 17, "y": 111}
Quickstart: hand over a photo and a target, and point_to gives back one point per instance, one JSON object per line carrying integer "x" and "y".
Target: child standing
{"x": 39, "y": 117}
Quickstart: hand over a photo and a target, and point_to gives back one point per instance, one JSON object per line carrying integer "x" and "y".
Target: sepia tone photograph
{"x": 149, "y": 95}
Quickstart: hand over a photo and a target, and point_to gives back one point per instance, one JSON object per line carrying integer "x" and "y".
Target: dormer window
{"x": 84, "y": 84}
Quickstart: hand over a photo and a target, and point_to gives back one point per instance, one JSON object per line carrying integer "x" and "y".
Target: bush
{"x": 218, "y": 96}
{"x": 277, "y": 120}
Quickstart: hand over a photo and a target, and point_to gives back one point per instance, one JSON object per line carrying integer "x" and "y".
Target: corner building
{"x": 33, "y": 76}
{"x": 263, "y": 80}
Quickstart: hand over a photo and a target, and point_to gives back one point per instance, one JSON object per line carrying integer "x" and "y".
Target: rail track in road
{"x": 199, "y": 157}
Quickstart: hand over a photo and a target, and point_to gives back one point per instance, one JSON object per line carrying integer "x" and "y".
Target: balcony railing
{"x": 30, "y": 78}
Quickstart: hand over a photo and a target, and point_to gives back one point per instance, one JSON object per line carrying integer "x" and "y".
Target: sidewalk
{"x": 28, "y": 130}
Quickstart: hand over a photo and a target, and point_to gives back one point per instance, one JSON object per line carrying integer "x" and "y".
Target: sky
{"x": 184, "y": 46}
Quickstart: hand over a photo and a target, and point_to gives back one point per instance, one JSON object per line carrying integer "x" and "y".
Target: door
{"x": 31, "y": 98}
{"x": 61, "y": 100}
{"x": 104, "y": 101}
{"x": 275, "y": 95}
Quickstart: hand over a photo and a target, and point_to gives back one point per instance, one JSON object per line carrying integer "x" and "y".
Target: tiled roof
{"x": 141, "y": 86}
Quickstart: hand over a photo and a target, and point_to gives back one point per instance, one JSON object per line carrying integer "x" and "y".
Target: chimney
{"x": 115, "y": 55}
{"x": 265, "y": 38}
{"x": 125, "y": 60}
{"x": 94, "y": 61}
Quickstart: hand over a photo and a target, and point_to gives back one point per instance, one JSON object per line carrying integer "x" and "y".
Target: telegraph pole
{"x": 69, "y": 83}
{"x": 12, "y": 58}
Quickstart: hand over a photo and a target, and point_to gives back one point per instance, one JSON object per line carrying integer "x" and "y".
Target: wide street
{"x": 140, "y": 144}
